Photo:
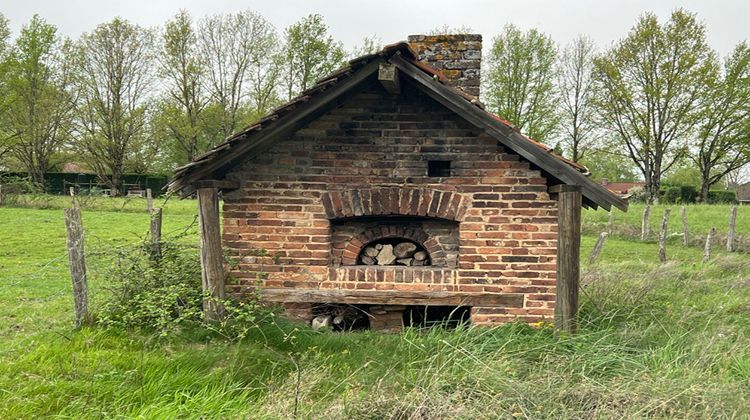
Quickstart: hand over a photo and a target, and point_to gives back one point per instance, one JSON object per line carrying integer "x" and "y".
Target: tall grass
{"x": 656, "y": 340}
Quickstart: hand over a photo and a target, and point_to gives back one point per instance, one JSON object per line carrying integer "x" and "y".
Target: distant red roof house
{"x": 621, "y": 188}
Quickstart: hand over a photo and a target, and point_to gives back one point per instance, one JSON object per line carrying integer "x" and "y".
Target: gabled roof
{"x": 258, "y": 137}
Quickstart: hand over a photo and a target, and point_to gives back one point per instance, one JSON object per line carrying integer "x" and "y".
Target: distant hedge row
{"x": 686, "y": 194}
{"x": 58, "y": 182}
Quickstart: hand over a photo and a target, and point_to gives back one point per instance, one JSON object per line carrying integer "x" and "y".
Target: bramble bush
{"x": 164, "y": 295}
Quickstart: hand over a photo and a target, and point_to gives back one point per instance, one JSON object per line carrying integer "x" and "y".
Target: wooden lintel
{"x": 391, "y": 297}
{"x": 222, "y": 184}
{"x": 564, "y": 188}
{"x": 388, "y": 77}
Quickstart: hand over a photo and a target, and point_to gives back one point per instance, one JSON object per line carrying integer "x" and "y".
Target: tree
{"x": 520, "y": 89}
{"x": 613, "y": 167}
{"x": 723, "y": 141}
{"x": 115, "y": 67}
{"x": 38, "y": 118}
{"x": 309, "y": 54}
{"x": 576, "y": 90}
{"x": 238, "y": 49}
{"x": 650, "y": 86}
{"x": 370, "y": 45}
{"x": 180, "y": 112}
{"x": 5, "y": 137}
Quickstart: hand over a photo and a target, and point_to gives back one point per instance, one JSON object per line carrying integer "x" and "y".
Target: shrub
{"x": 165, "y": 295}
{"x": 684, "y": 194}
{"x": 671, "y": 195}
{"x": 722, "y": 197}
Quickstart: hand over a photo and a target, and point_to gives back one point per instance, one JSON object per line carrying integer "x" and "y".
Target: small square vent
{"x": 438, "y": 168}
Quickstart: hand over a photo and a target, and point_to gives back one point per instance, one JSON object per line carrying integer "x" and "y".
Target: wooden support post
{"x": 663, "y": 236}
{"x": 610, "y": 221}
{"x": 156, "y": 233}
{"x": 644, "y": 223}
{"x": 149, "y": 201}
{"x": 730, "y": 237}
{"x": 212, "y": 265}
{"x": 568, "y": 256}
{"x": 77, "y": 260}
{"x": 388, "y": 77}
{"x": 685, "y": 230}
{"x": 598, "y": 247}
{"x": 707, "y": 248}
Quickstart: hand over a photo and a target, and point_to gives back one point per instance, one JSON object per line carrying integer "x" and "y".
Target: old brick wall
{"x": 369, "y": 156}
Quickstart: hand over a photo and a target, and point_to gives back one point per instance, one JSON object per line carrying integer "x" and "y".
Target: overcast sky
{"x": 351, "y": 20}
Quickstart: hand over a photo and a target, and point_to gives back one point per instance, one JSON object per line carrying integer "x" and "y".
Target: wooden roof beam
{"x": 388, "y": 77}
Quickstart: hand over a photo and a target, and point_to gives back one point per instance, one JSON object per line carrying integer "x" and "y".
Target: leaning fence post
{"x": 644, "y": 224}
{"x": 149, "y": 201}
{"x": 707, "y": 248}
{"x": 156, "y": 233}
{"x": 663, "y": 236}
{"x": 598, "y": 247}
{"x": 77, "y": 260}
{"x": 685, "y": 230}
{"x": 610, "y": 221}
{"x": 730, "y": 237}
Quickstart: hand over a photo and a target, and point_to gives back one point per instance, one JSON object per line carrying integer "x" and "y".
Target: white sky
{"x": 351, "y": 20}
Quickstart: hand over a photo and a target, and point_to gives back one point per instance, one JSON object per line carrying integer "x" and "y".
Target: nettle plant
{"x": 164, "y": 295}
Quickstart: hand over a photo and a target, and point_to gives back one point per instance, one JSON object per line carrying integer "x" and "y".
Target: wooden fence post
{"x": 730, "y": 237}
{"x": 644, "y": 224}
{"x": 156, "y": 233}
{"x": 663, "y": 236}
{"x": 72, "y": 191}
{"x": 568, "y": 256}
{"x": 610, "y": 221}
{"x": 685, "y": 230}
{"x": 707, "y": 248}
{"x": 149, "y": 201}
{"x": 1, "y": 194}
{"x": 212, "y": 265}
{"x": 598, "y": 247}
{"x": 77, "y": 260}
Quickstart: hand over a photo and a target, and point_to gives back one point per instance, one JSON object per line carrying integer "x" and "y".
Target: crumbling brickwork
{"x": 458, "y": 57}
{"x": 285, "y": 225}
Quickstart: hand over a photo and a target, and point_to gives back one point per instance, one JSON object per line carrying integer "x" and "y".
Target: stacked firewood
{"x": 403, "y": 253}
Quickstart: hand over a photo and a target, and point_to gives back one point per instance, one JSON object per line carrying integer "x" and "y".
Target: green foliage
{"x": 684, "y": 175}
{"x": 722, "y": 143}
{"x": 114, "y": 77}
{"x": 684, "y": 194}
{"x": 309, "y": 54}
{"x": 520, "y": 77}
{"x": 722, "y": 197}
{"x": 657, "y": 73}
{"x": 39, "y": 103}
{"x": 163, "y": 295}
{"x": 610, "y": 166}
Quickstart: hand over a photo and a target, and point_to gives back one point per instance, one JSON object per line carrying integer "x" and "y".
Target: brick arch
{"x": 395, "y": 201}
{"x": 353, "y": 247}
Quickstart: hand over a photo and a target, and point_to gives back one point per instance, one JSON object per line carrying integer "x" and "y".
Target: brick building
{"x": 387, "y": 186}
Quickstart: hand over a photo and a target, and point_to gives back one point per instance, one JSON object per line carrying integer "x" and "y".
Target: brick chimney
{"x": 458, "y": 57}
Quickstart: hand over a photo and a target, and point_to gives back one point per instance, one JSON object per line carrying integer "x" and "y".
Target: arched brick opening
{"x": 351, "y": 251}
{"x": 395, "y": 201}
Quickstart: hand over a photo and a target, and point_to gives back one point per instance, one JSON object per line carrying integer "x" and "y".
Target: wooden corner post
{"x": 569, "y": 201}
{"x": 212, "y": 265}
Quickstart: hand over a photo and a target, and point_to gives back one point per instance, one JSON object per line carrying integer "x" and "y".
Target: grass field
{"x": 656, "y": 340}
